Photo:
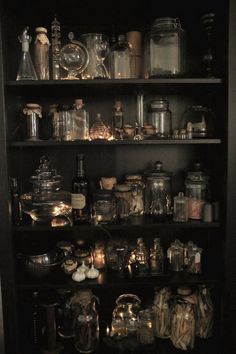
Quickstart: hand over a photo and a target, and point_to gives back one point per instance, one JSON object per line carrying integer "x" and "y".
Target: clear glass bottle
{"x": 194, "y": 260}
{"x": 121, "y": 59}
{"x": 141, "y": 257}
{"x": 180, "y": 213}
{"x": 41, "y": 53}
{"x": 26, "y": 69}
{"x": 99, "y": 258}
{"x": 99, "y": 130}
{"x": 56, "y": 47}
{"x": 80, "y": 118}
{"x": 175, "y": 255}
{"x": 145, "y": 331}
{"x": 65, "y": 117}
{"x": 156, "y": 258}
{"x": 56, "y": 122}
{"x": 160, "y": 117}
{"x": 123, "y": 200}
{"x": 165, "y": 48}
{"x": 104, "y": 207}
{"x": 33, "y": 113}
{"x": 86, "y": 321}
{"x": 118, "y": 121}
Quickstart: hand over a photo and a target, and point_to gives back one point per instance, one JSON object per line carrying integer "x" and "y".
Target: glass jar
{"x": 33, "y": 113}
{"x": 99, "y": 258}
{"x": 180, "y": 208}
{"x": 165, "y": 48}
{"x": 158, "y": 192}
{"x": 82, "y": 255}
{"x": 162, "y": 312}
{"x": 56, "y": 122}
{"x": 201, "y": 120}
{"x": 125, "y": 315}
{"x": 197, "y": 191}
{"x": 104, "y": 207}
{"x": 183, "y": 320}
{"x": 121, "y": 59}
{"x": 123, "y": 200}
{"x": 80, "y": 118}
{"x": 86, "y": 321}
{"x": 145, "y": 331}
{"x": 175, "y": 255}
{"x": 204, "y": 313}
{"x": 65, "y": 117}
{"x": 160, "y": 117}
{"x": 194, "y": 260}
{"x": 65, "y": 314}
{"x": 137, "y": 187}
{"x": 141, "y": 257}
{"x": 99, "y": 130}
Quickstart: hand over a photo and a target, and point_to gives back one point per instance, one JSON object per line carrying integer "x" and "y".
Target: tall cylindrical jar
{"x": 160, "y": 117}
{"x": 33, "y": 112}
{"x": 41, "y": 53}
{"x": 165, "y": 48}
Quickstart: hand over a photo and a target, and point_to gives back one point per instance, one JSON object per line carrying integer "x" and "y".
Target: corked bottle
{"x": 41, "y": 53}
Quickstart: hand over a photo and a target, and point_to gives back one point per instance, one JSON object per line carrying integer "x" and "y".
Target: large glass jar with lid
{"x": 104, "y": 207}
{"x": 160, "y": 117}
{"x": 158, "y": 192}
{"x": 165, "y": 48}
{"x": 197, "y": 191}
{"x": 135, "y": 181}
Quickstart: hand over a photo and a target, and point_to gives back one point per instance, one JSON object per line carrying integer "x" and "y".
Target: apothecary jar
{"x": 165, "y": 48}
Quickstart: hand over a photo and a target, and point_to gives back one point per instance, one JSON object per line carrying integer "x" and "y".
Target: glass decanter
{"x": 26, "y": 69}
{"x": 47, "y": 202}
{"x": 99, "y": 130}
{"x": 73, "y": 58}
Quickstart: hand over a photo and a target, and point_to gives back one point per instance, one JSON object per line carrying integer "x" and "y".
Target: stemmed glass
{"x": 101, "y": 48}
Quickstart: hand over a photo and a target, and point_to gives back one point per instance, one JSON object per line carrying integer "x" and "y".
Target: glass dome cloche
{"x": 47, "y": 202}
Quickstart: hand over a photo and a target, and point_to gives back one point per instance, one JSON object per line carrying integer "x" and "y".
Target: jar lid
{"x": 33, "y": 105}
{"x": 41, "y": 29}
{"x": 81, "y": 253}
{"x": 122, "y": 188}
{"x": 158, "y": 171}
{"x": 103, "y": 194}
{"x": 133, "y": 177}
{"x": 184, "y": 290}
{"x": 159, "y": 103}
{"x": 166, "y": 22}
{"x": 197, "y": 174}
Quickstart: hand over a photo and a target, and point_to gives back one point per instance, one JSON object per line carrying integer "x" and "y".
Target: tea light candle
{"x": 99, "y": 256}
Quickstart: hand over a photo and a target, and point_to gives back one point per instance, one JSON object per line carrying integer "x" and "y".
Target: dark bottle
{"x": 15, "y": 202}
{"x": 36, "y": 325}
{"x": 117, "y": 120}
{"x": 80, "y": 193}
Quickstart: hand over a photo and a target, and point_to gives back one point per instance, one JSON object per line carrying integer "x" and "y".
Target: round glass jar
{"x": 165, "y": 48}
{"x": 104, "y": 207}
{"x": 201, "y": 120}
{"x": 81, "y": 256}
{"x": 135, "y": 182}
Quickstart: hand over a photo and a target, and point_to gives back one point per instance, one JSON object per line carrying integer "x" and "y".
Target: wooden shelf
{"x": 48, "y": 143}
{"x": 102, "y": 82}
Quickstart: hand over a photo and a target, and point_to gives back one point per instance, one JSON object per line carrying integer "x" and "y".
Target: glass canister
{"x": 33, "y": 113}
{"x": 197, "y": 191}
{"x": 204, "y": 313}
{"x": 160, "y": 117}
{"x": 162, "y": 312}
{"x": 80, "y": 119}
{"x": 145, "y": 331}
{"x": 175, "y": 255}
{"x": 180, "y": 213}
{"x": 104, "y": 207}
{"x": 65, "y": 116}
{"x": 201, "y": 119}
{"x": 136, "y": 184}
{"x": 125, "y": 315}
{"x": 156, "y": 258}
{"x": 158, "y": 192}
{"x": 194, "y": 260}
{"x": 121, "y": 59}
{"x": 86, "y": 321}
{"x": 123, "y": 200}
{"x": 183, "y": 323}
{"x": 165, "y": 48}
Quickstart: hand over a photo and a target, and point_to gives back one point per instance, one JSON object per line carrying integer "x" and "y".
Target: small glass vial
{"x": 180, "y": 208}
{"x": 118, "y": 121}
{"x": 121, "y": 59}
{"x": 80, "y": 119}
{"x": 156, "y": 258}
{"x": 145, "y": 330}
{"x": 41, "y": 53}
{"x": 33, "y": 112}
{"x": 160, "y": 117}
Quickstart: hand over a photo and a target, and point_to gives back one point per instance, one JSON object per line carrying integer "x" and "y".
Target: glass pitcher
{"x": 125, "y": 315}
{"x": 86, "y": 322}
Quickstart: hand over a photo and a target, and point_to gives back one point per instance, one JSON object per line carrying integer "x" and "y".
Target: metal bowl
{"x": 37, "y": 270}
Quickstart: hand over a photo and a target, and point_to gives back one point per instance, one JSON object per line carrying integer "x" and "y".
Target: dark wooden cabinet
{"x": 19, "y": 158}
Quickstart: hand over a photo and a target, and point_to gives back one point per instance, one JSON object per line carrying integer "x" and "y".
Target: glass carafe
{"x": 125, "y": 315}
{"x": 86, "y": 321}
